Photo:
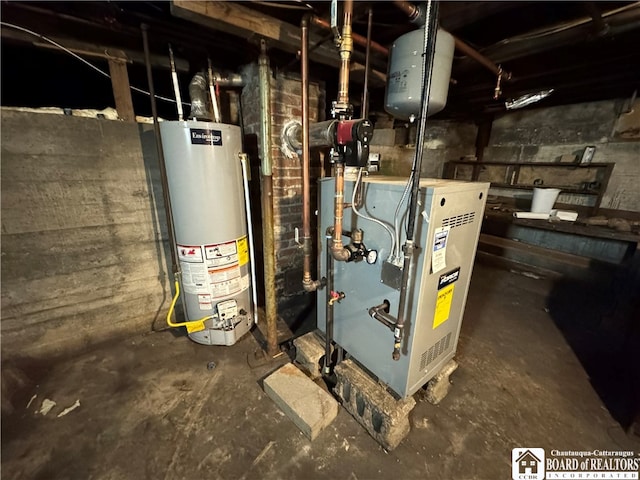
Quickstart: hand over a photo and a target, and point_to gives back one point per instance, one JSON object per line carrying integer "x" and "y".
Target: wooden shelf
{"x": 564, "y": 188}
{"x": 533, "y": 164}
{"x": 521, "y": 175}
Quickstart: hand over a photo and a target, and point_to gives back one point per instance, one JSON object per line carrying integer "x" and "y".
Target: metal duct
{"x": 198, "y": 94}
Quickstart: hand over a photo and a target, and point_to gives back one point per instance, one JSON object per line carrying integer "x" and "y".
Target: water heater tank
{"x": 404, "y": 83}
{"x": 205, "y": 187}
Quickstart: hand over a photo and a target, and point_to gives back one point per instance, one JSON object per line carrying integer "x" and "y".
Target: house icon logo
{"x": 527, "y": 463}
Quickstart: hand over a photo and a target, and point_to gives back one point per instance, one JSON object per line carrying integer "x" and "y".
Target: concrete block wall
{"x": 286, "y": 105}
{"x": 446, "y": 140}
{"x": 545, "y": 134}
{"x": 83, "y": 257}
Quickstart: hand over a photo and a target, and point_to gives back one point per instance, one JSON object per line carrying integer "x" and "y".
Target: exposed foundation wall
{"x": 446, "y": 140}
{"x": 286, "y": 106}
{"x": 546, "y": 134}
{"x": 83, "y": 257}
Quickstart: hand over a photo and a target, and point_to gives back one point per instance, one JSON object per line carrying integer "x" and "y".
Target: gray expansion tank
{"x": 403, "y": 96}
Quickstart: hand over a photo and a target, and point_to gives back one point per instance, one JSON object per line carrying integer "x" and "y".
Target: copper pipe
{"x": 357, "y": 39}
{"x": 409, "y": 9}
{"x": 338, "y": 251}
{"x": 346, "y": 48}
{"x": 417, "y": 16}
{"x": 308, "y": 283}
{"x": 481, "y": 59}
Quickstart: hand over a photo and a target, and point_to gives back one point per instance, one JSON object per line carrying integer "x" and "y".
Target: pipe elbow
{"x": 309, "y": 285}
{"x": 339, "y": 253}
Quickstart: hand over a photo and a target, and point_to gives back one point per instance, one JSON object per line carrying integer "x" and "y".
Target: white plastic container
{"x": 544, "y": 199}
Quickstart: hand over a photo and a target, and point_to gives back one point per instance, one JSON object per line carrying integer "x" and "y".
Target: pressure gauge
{"x": 372, "y": 256}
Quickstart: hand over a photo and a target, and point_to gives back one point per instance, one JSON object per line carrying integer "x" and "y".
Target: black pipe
{"x": 381, "y": 313}
{"x": 430, "y": 32}
{"x": 329, "y": 306}
{"x": 365, "y": 90}
{"x": 163, "y": 169}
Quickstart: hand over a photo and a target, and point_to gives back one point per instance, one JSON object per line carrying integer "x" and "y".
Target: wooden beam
{"x": 121, "y": 89}
{"x": 235, "y": 19}
{"x": 92, "y": 50}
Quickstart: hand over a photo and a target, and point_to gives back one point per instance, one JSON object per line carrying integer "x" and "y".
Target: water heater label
{"x": 223, "y": 274}
{"x": 221, "y": 254}
{"x": 243, "y": 251}
{"x": 195, "y": 278}
{"x": 228, "y": 287}
{"x": 189, "y": 253}
{"x": 204, "y": 301}
{"x": 203, "y": 136}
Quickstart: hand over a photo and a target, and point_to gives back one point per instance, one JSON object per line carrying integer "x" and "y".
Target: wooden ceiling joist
{"x": 235, "y": 19}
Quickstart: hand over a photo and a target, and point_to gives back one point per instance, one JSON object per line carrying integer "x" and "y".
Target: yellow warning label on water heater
{"x": 443, "y": 305}
{"x": 243, "y": 251}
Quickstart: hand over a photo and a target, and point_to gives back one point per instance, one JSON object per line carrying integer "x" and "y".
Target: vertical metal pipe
{"x": 357, "y": 39}
{"x": 247, "y": 205}
{"x": 329, "y": 307}
{"x": 176, "y": 85}
{"x": 212, "y": 94}
{"x": 268, "y": 242}
{"x": 163, "y": 169}
{"x": 430, "y": 32}
{"x": 308, "y": 283}
{"x": 365, "y": 90}
{"x": 337, "y": 249}
{"x": 346, "y": 48}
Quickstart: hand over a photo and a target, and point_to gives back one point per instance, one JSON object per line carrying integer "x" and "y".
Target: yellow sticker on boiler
{"x": 243, "y": 251}
{"x": 443, "y": 305}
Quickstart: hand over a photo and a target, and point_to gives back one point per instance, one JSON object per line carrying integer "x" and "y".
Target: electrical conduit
{"x": 430, "y": 32}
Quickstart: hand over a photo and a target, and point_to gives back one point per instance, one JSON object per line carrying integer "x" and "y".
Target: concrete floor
{"x": 150, "y": 408}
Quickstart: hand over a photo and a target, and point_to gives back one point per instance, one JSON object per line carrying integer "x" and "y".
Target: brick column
{"x": 286, "y": 105}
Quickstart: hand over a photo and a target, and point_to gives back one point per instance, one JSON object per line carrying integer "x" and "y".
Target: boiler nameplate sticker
{"x": 204, "y": 136}
{"x": 439, "y": 257}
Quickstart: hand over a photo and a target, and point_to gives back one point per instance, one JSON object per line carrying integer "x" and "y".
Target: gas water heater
{"x": 205, "y": 181}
